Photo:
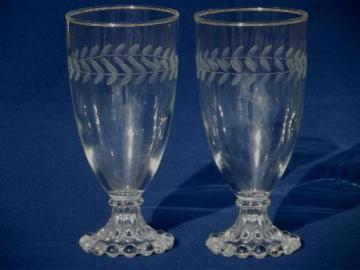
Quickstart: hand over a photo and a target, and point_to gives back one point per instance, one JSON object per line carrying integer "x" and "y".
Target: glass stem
{"x": 253, "y": 211}
{"x": 126, "y": 213}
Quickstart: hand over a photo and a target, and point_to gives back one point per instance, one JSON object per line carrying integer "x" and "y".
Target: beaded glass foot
{"x": 127, "y": 234}
{"x": 253, "y": 234}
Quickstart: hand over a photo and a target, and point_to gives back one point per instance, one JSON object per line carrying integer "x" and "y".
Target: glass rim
{"x": 70, "y": 16}
{"x": 200, "y": 18}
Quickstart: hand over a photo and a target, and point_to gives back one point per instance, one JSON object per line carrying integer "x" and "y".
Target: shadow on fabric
{"x": 206, "y": 191}
{"x": 329, "y": 188}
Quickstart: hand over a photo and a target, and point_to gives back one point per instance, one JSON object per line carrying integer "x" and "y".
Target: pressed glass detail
{"x": 127, "y": 233}
{"x": 253, "y": 234}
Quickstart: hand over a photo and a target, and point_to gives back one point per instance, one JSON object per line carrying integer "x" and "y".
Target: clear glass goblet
{"x": 123, "y": 65}
{"x": 251, "y": 66}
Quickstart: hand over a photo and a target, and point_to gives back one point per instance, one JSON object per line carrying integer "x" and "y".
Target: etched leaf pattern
{"x": 123, "y": 64}
{"x": 246, "y": 65}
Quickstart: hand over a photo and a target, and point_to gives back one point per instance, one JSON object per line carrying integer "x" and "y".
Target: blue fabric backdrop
{"x": 49, "y": 196}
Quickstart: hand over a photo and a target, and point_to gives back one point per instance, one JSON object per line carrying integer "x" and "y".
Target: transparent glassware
{"x": 251, "y": 67}
{"x": 123, "y": 64}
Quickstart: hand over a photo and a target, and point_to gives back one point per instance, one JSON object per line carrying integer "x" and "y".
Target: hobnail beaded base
{"x": 253, "y": 234}
{"x": 127, "y": 234}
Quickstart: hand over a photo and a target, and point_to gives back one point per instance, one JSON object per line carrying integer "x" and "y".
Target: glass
{"x": 251, "y": 67}
{"x": 123, "y": 66}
